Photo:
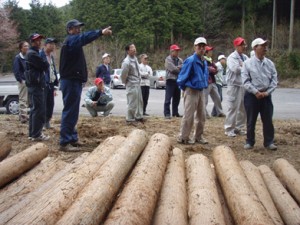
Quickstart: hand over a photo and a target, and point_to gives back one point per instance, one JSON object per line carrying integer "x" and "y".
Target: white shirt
{"x": 146, "y": 72}
{"x": 259, "y": 75}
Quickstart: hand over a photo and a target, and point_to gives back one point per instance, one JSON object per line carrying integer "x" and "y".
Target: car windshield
{"x": 161, "y": 73}
{"x": 118, "y": 72}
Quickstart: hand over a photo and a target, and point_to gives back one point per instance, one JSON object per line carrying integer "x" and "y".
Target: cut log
{"x": 244, "y": 205}
{"x": 289, "y": 177}
{"x": 28, "y": 182}
{"x": 285, "y": 204}
{"x": 204, "y": 203}
{"x": 50, "y": 206}
{"x": 96, "y": 198}
{"x": 138, "y": 199}
{"x": 172, "y": 204}
{"x": 260, "y": 189}
{"x": 227, "y": 216}
{"x": 15, "y": 209}
{"x": 18, "y": 164}
{"x": 5, "y": 146}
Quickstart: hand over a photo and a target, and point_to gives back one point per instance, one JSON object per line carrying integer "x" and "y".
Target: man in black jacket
{"x": 35, "y": 81}
{"x": 73, "y": 74}
{"x": 50, "y": 78}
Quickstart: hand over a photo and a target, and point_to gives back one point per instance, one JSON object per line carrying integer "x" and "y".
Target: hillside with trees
{"x": 154, "y": 25}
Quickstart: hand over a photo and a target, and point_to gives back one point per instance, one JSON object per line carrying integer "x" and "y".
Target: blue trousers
{"x": 172, "y": 92}
{"x": 264, "y": 107}
{"x": 37, "y": 111}
{"x": 71, "y": 94}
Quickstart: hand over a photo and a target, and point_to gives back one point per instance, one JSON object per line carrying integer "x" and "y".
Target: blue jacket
{"x": 19, "y": 68}
{"x": 72, "y": 64}
{"x": 103, "y": 73}
{"x": 193, "y": 74}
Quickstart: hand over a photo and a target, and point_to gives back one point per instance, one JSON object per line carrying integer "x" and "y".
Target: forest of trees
{"x": 152, "y": 25}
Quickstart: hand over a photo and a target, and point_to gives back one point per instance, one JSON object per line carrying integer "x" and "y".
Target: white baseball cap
{"x": 258, "y": 41}
{"x": 221, "y": 57}
{"x": 200, "y": 40}
{"x": 105, "y": 55}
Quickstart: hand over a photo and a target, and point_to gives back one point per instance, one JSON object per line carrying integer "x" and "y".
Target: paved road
{"x": 286, "y": 103}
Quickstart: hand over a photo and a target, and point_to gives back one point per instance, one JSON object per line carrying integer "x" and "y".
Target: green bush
{"x": 287, "y": 64}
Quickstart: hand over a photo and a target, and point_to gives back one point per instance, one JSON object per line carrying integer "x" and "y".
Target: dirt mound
{"x": 93, "y": 131}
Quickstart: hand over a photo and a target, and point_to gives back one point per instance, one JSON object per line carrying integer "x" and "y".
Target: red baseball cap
{"x": 238, "y": 41}
{"x": 98, "y": 81}
{"x": 174, "y": 48}
{"x": 208, "y": 48}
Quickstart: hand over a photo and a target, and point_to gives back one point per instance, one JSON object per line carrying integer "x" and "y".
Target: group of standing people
{"x": 36, "y": 74}
{"x": 250, "y": 83}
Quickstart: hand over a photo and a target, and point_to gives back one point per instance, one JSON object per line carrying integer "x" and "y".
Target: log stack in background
{"x": 134, "y": 181}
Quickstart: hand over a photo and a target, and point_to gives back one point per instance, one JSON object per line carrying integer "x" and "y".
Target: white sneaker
{"x": 230, "y": 134}
{"x": 42, "y": 137}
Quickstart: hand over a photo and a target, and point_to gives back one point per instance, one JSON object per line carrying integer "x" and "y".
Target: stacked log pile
{"x": 143, "y": 180}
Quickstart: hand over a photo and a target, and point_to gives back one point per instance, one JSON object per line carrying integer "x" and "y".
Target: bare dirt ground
{"x": 93, "y": 131}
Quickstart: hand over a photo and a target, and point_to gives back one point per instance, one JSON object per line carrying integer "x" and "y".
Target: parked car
{"x": 9, "y": 94}
{"x": 158, "y": 80}
{"x": 116, "y": 81}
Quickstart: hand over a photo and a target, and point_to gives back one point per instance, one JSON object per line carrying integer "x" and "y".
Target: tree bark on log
{"x": 16, "y": 165}
{"x": 285, "y": 204}
{"x": 227, "y": 216}
{"x": 96, "y": 198}
{"x": 50, "y": 206}
{"x": 137, "y": 201}
{"x": 15, "y": 209}
{"x": 5, "y": 146}
{"x": 289, "y": 177}
{"x": 261, "y": 190}
{"x": 34, "y": 178}
{"x": 204, "y": 203}
{"x": 244, "y": 205}
{"x": 172, "y": 204}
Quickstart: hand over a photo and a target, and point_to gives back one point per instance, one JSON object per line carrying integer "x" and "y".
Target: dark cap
{"x": 35, "y": 36}
{"x": 50, "y": 40}
{"x": 74, "y": 23}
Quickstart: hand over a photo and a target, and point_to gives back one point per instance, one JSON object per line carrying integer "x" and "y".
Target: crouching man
{"x": 99, "y": 99}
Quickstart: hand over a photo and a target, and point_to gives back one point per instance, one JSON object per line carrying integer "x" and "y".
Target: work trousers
{"x": 101, "y": 108}
{"x": 71, "y": 94}
{"x": 23, "y": 100}
{"x": 264, "y": 107}
{"x": 212, "y": 91}
{"x": 194, "y": 109}
{"x": 172, "y": 93}
{"x": 134, "y": 102}
{"x": 37, "y": 111}
{"x": 49, "y": 101}
{"x": 145, "y": 94}
{"x": 236, "y": 115}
